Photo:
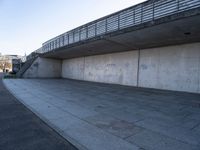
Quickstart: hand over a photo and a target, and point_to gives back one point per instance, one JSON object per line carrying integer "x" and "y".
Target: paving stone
{"x": 95, "y": 139}
{"x": 150, "y": 140}
{"x": 120, "y": 128}
{"x": 176, "y": 132}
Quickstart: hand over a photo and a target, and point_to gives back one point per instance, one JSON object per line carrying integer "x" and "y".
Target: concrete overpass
{"x": 154, "y": 44}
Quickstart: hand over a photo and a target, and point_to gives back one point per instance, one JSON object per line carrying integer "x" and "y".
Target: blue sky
{"x": 26, "y": 24}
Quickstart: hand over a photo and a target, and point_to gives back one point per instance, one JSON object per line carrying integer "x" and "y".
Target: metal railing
{"x": 138, "y": 14}
{"x": 34, "y": 54}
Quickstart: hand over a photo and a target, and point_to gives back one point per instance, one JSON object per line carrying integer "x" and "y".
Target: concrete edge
{"x": 47, "y": 122}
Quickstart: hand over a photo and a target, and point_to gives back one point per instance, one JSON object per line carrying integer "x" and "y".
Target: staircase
{"x": 27, "y": 64}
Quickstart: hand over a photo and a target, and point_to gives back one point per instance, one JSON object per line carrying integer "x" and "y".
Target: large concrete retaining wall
{"x": 44, "y": 68}
{"x": 118, "y": 68}
{"x": 73, "y": 68}
{"x": 172, "y": 68}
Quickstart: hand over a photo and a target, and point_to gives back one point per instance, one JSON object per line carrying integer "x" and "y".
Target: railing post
{"x": 86, "y": 32}
{"x": 95, "y": 28}
{"x": 106, "y": 25}
{"x": 153, "y": 9}
{"x": 73, "y": 36}
{"x": 58, "y": 42}
{"x": 63, "y": 37}
{"x": 141, "y": 13}
{"x": 118, "y": 19}
{"x": 68, "y": 38}
{"x": 79, "y": 34}
{"x": 178, "y": 3}
{"x": 134, "y": 16}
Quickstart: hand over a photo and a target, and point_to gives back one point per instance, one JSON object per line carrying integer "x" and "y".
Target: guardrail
{"x": 138, "y": 14}
{"x": 34, "y": 54}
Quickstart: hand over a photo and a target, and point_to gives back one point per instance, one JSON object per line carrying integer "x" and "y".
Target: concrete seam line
{"x": 138, "y": 68}
{"x": 84, "y": 67}
{"x": 47, "y": 122}
{"x": 158, "y": 69}
{"x": 199, "y": 75}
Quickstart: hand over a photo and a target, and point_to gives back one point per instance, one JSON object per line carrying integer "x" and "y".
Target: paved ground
{"x": 111, "y": 117}
{"x": 20, "y": 129}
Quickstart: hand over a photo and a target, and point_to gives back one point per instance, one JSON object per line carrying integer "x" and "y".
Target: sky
{"x": 26, "y": 24}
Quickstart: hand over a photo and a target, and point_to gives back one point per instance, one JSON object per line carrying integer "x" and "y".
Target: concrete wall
{"x": 173, "y": 68}
{"x": 118, "y": 68}
{"x": 44, "y": 68}
{"x": 73, "y": 68}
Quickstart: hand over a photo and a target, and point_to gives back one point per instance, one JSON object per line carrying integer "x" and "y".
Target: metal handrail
{"x": 132, "y": 16}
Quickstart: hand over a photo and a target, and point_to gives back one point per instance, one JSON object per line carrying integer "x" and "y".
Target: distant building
{"x": 10, "y": 62}
{"x": 16, "y": 65}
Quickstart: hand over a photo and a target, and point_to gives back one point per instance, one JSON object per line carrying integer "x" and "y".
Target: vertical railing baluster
{"x": 141, "y": 13}
{"x": 79, "y": 34}
{"x": 59, "y": 42}
{"x": 178, "y": 3}
{"x": 134, "y": 16}
{"x": 63, "y": 39}
{"x": 86, "y": 32}
{"x": 73, "y": 34}
{"x": 95, "y": 29}
{"x": 153, "y": 5}
{"x": 68, "y": 38}
{"x": 118, "y": 19}
{"x": 106, "y": 25}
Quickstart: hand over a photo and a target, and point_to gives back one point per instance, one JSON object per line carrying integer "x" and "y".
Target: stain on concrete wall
{"x": 173, "y": 68}
{"x": 73, "y": 68}
{"x": 117, "y": 68}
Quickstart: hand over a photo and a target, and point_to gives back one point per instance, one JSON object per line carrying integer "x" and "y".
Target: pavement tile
{"x": 150, "y": 140}
{"x": 120, "y": 128}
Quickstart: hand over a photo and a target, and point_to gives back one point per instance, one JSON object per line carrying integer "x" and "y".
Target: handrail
{"x": 132, "y": 16}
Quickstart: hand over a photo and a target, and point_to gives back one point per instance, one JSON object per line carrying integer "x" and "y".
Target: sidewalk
{"x": 20, "y": 129}
{"x": 98, "y": 116}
